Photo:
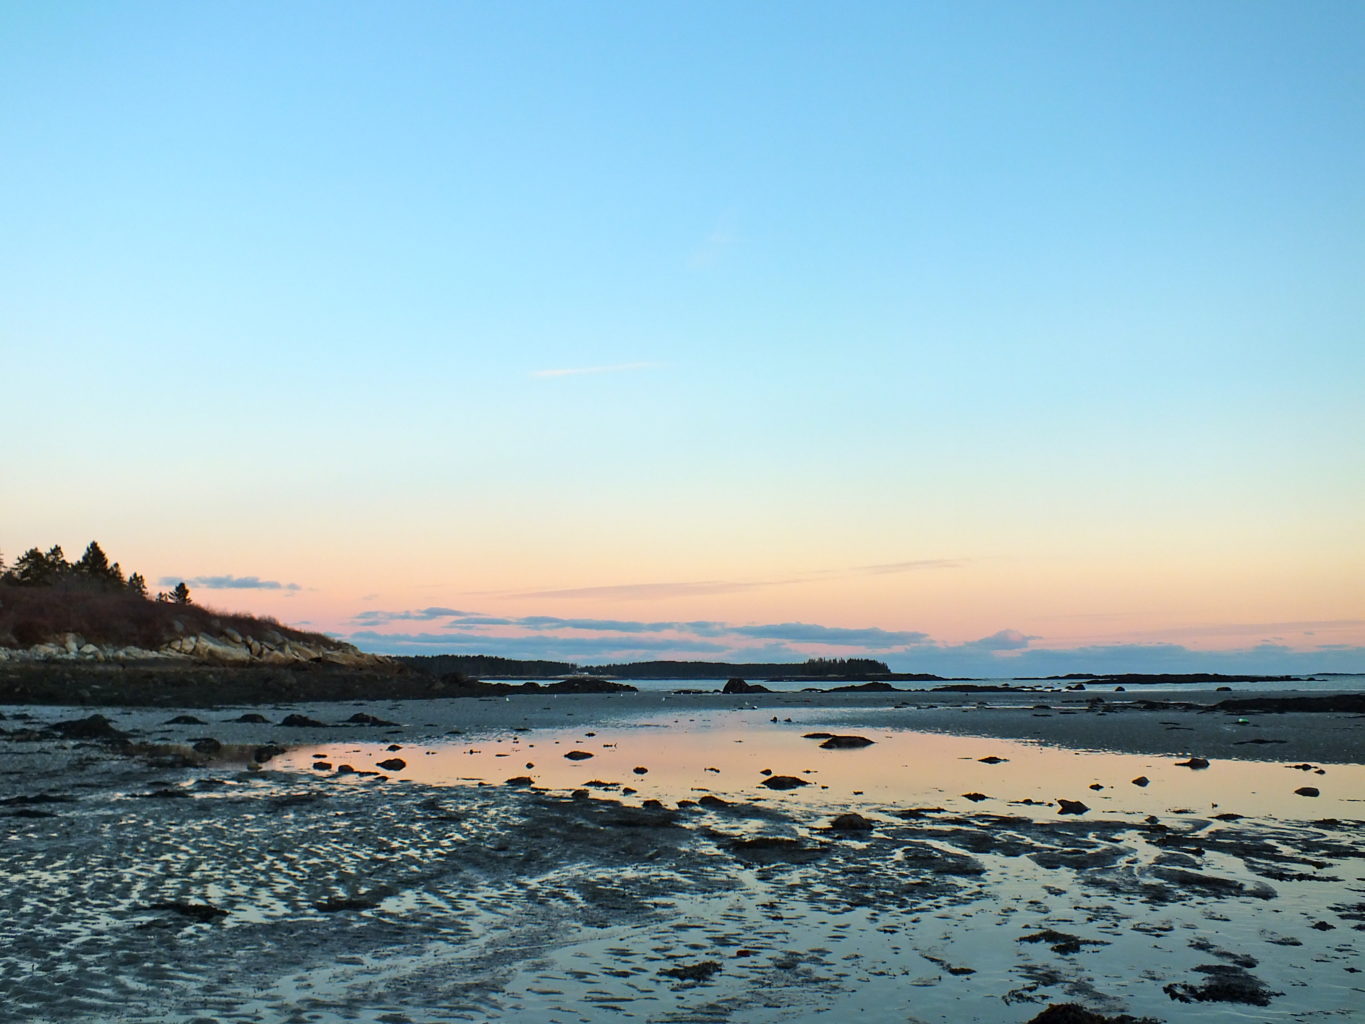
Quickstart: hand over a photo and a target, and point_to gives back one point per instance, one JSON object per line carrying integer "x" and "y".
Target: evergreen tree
{"x": 181, "y": 594}
{"x": 137, "y": 585}
{"x": 58, "y": 567}
{"x": 32, "y": 570}
{"x": 93, "y": 564}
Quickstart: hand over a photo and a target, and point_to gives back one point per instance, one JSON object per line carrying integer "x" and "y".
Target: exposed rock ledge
{"x": 227, "y": 648}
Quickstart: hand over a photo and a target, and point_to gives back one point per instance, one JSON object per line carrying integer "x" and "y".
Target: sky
{"x": 981, "y": 338}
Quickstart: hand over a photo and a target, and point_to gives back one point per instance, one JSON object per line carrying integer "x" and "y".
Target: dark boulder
{"x": 95, "y": 727}
{"x": 589, "y": 684}
{"x": 740, "y": 686}
{"x": 251, "y": 718}
{"x": 302, "y": 722}
{"x": 339, "y": 903}
{"x": 263, "y": 754}
{"x": 1071, "y": 807}
{"x": 200, "y": 913}
{"x": 1223, "y": 984}
{"x": 393, "y": 764}
{"x": 1194, "y": 762}
{"x": 1142, "y": 780}
{"x": 360, "y": 718}
{"x": 206, "y": 745}
{"x": 992, "y": 759}
{"x": 1072, "y": 1013}
{"x": 851, "y": 823}
{"x": 846, "y": 743}
{"x": 185, "y": 720}
{"x": 578, "y": 755}
{"x": 701, "y": 971}
{"x": 1307, "y": 791}
{"x": 783, "y": 782}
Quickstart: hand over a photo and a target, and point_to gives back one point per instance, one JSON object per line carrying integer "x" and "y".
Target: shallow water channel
{"x": 731, "y": 755}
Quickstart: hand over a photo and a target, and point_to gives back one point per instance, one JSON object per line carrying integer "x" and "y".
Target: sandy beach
{"x": 639, "y": 865}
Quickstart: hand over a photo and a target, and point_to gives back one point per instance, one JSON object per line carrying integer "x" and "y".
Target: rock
{"x": 394, "y": 746}
{"x": 520, "y": 780}
{"x": 577, "y": 755}
{"x": 817, "y": 735}
{"x": 206, "y": 745}
{"x": 1307, "y": 791}
{"x": 992, "y": 760}
{"x": 346, "y": 769}
{"x": 302, "y": 722}
{"x": 393, "y": 764}
{"x": 640, "y": 771}
{"x": 975, "y": 798}
{"x": 360, "y": 718}
{"x": 251, "y": 718}
{"x": 589, "y": 684}
{"x": 322, "y": 766}
{"x": 1072, "y": 1013}
{"x": 713, "y": 802}
{"x": 201, "y": 913}
{"x": 95, "y": 727}
{"x": 263, "y": 754}
{"x": 846, "y": 743}
{"x": 783, "y": 782}
{"x": 1096, "y": 786}
{"x": 874, "y": 687}
{"x": 1142, "y": 780}
{"x": 1194, "y": 762}
{"x": 700, "y": 971}
{"x": 185, "y": 720}
{"x": 851, "y": 823}
{"x": 1071, "y": 807}
{"x": 740, "y": 686}
{"x": 1342, "y": 703}
{"x": 332, "y": 906}
{"x": 1224, "y": 984}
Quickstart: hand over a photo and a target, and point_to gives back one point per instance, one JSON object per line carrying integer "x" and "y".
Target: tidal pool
{"x": 731, "y": 754}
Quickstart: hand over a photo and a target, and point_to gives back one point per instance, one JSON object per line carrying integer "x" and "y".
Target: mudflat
{"x": 976, "y": 857}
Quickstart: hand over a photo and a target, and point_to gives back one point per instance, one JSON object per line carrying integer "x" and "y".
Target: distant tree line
{"x": 91, "y": 572}
{"x": 813, "y": 667}
{"x": 477, "y": 666}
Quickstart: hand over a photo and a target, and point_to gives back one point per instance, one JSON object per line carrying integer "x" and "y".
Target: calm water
{"x": 731, "y": 753}
{"x": 1321, "y": 684}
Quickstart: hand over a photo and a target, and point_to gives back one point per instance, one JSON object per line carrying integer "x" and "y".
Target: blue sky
{"x": 539, "y": 308}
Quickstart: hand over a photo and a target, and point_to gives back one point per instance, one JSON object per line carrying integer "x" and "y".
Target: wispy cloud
{"x": 377, "y": 617}
{"x": 228, "y": 583}
{"x": 916, "y": 566}
{"x": 1004, "y": 640}
{"x": 809, "y": 633}
{"x": 654, "y": 590}
{"x": 580, "y": 370}
{"x": 703, "y": 588}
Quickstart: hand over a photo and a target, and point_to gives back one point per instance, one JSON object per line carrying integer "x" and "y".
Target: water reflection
{"x": 671, "y": 760}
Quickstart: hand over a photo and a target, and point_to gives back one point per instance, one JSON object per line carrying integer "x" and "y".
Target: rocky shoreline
{"x": 282, "y": 892}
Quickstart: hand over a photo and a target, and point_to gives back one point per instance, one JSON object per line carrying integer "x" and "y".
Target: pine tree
{"x": 137, "y": 585}
{"x": 181, "y": 594}
{"x": 32, "y": 569}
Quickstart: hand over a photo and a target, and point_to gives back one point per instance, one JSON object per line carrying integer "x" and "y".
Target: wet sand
{"x": 166, "y": 885}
